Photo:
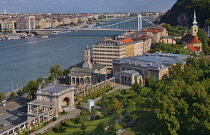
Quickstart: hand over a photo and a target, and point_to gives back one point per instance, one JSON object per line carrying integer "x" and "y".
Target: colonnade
{"x": 74, "y": 80}
{"x": 31, "y": 123}
{"x": 96, "y": 87}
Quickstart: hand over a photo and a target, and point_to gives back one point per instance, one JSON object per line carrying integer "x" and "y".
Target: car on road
{"x": 21, "y": 114}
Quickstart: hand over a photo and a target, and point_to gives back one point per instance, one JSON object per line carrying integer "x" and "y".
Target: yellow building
{"x": 42, "y": 23}
{"x": 129, "y": 47}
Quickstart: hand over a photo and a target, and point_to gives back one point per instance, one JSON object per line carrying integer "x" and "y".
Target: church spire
{"x": 194, "y": 21}
{"x": 194, "y": 29}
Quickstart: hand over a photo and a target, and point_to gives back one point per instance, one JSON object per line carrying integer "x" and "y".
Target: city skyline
{"x": 84, "y": 6}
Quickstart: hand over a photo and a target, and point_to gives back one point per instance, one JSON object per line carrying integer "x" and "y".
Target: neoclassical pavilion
{"x": 129, "y": 77}
{"x": 51, "y": 99}
{"x": 89, "y": 73}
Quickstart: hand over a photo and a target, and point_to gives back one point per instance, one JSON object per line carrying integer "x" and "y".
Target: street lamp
{"x": 12, "y": 85}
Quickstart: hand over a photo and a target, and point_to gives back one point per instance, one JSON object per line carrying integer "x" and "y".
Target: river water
{"x": 27, "y": 59}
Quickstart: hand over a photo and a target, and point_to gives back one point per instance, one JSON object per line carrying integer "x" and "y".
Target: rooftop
{"x": 80, "y": 71}
{"x": 42, "y": 103}
{"x": 55, "y": 88}
{"x": 156, "y": 61}
{"x": 132, "y": 72}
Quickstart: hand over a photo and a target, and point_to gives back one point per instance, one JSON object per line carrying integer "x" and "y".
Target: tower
{"x": 29, "y": 23}
{"x": 139, "y": 22}
{"x": 194, "y": 29}
{"x": 87, "y": 58}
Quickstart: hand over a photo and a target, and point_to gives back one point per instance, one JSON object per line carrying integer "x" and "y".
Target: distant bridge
{"x": 134, "y": 24}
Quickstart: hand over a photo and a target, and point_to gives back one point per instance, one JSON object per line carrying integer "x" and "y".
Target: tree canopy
{"x": 180, "y": 102}
{"x": 2, "y": 96}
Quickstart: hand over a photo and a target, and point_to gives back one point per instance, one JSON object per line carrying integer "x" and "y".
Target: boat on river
{"x": 56, "y": 32}
{"x": 45, "y": 36}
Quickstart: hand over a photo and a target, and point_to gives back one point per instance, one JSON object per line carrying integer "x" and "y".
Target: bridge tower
{"x": 139, "y": 22}
{"x": 29, "y": 23}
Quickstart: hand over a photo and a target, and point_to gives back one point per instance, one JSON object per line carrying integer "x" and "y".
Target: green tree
{"x": 84, "y": 114}
{"x": 83, "y": 127}
{"x": 12, "y": 95}
{"x": 112, "y": 131}
{"x": 56, "y": 70}
{"x": 94, "y": 112}
{"x": 105, "y": 105}
{"x": 2, "y": 96}
{"x": 62, "y": 129}
{"x": 78, "y": 98}
{"x": 179, "y": 101}
{"x": 100, "y": 128}
{"x": 135, "y": 87}
{"x": 203, "y": 38}
{"x": 116, "y": 104}
{"x": 20, "y": 92}
{"x": 77, "y": 120}
{"x": 40, "y": 80}
{"x": 31, "y": 89}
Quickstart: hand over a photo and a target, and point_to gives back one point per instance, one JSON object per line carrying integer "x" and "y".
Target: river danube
{"x": 27, "y": 59}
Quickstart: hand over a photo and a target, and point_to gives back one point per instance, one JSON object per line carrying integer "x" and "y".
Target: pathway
{"x": 75, "y": 112}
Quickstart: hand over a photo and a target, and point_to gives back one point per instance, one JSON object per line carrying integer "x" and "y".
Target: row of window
{"x": 101, "y": 61}
{"x": 106, "y": 47}
{"x": 105, "y": 51}
{"x": 104, "y": 58}
{"x": 108, "y": 54}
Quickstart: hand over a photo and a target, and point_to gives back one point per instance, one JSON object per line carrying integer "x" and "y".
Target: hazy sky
{"x": 83, "y": 6}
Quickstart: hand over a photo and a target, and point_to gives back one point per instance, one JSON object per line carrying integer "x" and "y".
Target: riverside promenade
{"x": 74, "y": 111}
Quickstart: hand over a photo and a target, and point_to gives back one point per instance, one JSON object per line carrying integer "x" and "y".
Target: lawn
{"x": 73, "y": 129}
{"x": 128, "y": 131}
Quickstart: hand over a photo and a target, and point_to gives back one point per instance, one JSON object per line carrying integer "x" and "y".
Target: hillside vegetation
{"x": 182, "y": 13}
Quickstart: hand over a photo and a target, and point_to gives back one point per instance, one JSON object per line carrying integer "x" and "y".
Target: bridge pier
{"x": 139, "y": 22}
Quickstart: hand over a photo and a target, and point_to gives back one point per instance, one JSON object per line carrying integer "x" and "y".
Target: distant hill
{"x": 182, "y": 13}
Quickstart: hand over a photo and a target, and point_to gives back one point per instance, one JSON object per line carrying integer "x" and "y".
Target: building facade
{"x": 105, "y": 51}
{"x": 53, "y": 98}
{"x": 88, "y": 73}
{"x": 141, "y": 68}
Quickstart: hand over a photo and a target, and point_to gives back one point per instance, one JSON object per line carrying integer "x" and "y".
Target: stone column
{"x": 83, "y": 93}
{"x": 48, "y": 116}
{"x": 69, "y": 80}
{"x": 19, "y": 130}
{"x": 39, "y": 120}
{"x": 29, "y": 125}
{"x": 37, "y": 110}
{"x": 90, "y": 80}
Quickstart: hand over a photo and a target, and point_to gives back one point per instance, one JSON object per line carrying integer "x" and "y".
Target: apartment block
{"x": 103, "y": 52}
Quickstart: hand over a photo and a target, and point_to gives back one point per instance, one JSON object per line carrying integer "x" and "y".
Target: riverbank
{"x": 14, "y": 36}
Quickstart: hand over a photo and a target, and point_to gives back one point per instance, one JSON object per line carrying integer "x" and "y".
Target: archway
{"x": 88, "y": 80}
{"x": 73, "y": 80}
{"x": 77, "y": 81}
{"x": 81, "y": 81}
{"x": 66, "y": 101}
{"x": 129, "y": 81}
{"x": 123, "y": 80}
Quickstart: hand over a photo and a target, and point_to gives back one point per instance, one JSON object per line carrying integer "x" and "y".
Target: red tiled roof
{"x": 195, "y": 40}
{"x": 127, "y": 40}
{"x": 193, "y": 48}
{"x": 152, "y": 31}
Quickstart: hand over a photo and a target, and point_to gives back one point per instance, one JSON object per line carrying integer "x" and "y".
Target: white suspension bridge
{"x": 134, "y": 24}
